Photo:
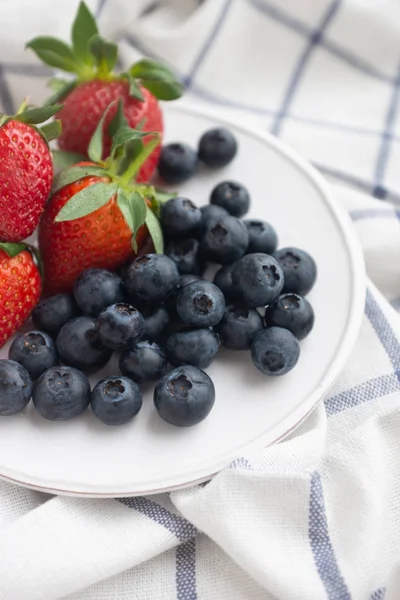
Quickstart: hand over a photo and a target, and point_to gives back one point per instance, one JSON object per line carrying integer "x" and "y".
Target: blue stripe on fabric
{"x": 186, "y": 571}
{"x": 6, "y": 99}
{"x": 241, "y": 463}
{"x": 175, "y": 524}
{"x": 27, "y": 70}
{"x": 100, "y": 8}
{"x": 383, "y": 330}
{"x": 379, "y": 386}
{"x": 275, "y": 13}
{"x": 314, "y": 39}
{"x": 366, "y": 391}
{"x": 258, "y": 110}
{"x": 374, "y": 213}
{"x": 214, "y": 97}
{"x": 150, "y": 8}
{"x": 395, "y": 302}
{"x": 384, "y": 150}
{"x": 321, "y": 545}
{"x": 357, "y": 182}
{"x": 208, "y": 43}
{"x": 355, "y": 61}
{"x": 378, "y": 594}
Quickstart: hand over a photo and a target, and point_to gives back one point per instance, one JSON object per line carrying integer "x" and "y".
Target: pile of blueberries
{"x": 166, "y": 319}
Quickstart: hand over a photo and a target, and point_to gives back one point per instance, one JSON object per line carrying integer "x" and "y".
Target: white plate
{"x": 84, "y": 457}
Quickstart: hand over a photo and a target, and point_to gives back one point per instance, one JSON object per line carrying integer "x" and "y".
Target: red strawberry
{"x": 98, "y": 214}
{"x": 92, "y": 59}
{"x": 26, "y": 171}
{"x": 100, "y": 239}
{"x": 20, "y": 286}
{"x": 96, "y": 96}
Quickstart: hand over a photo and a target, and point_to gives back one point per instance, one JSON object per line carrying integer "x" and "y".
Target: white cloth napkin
{"x": 318, "y": 515}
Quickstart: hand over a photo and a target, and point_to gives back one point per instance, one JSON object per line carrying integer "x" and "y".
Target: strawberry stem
{"x": 135, "y": 165}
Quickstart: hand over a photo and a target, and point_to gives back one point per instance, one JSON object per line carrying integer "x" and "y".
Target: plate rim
{"x": 354, "y": 320}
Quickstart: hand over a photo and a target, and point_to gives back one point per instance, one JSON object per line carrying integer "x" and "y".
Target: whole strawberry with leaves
{"x": 92, "y": 60}
{"x": 20, "y": 287}
{"x": 26, "y": 169}
{"x": 99, "y": 214}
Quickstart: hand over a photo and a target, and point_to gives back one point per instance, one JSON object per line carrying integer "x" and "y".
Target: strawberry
{"x": 20, "y": 286}
{"x": 92, "y": 60}
{"x": 99, "y": 214}
{"x": 26, "y": 170}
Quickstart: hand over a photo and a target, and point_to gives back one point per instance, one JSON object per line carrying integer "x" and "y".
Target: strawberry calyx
{"x": 33, "y": 116}
{"x": 90, "y": 57}
{"x": 12, "y": 249}
{"x": 139, "y": 203}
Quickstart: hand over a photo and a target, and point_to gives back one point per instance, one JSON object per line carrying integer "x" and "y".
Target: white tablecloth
{"x": 317, "y": 516}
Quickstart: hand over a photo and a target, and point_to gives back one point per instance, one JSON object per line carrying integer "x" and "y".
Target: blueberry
{"x": 15, "y": 388}
{"x": 217, "y": 147}
{"x": 185, "y": 254}
{"x": 170, "y": 303}
{"x": 152, "y": 278}
{"x": 186, "y": 279}
{"x": 225, "y": 240}
{"x": 185, "y": 396}
{"x": 299, "y": 269}
{"x": 155, "y": 321}
{"x": 180, "y": 218}
{"x": 223, "y": 280}
{"x": 116, "y": 400}
{"x": 119, "y": 326}
{"x": 61, "y": 393}
{"x": 262, "y": 237}
{"x": 96, "y": 289}
{"x": 239, "y": 326}
{"x": 292, "y": 312}
{"x": 196, "y": 347}
{"x": 210, "y": 212}
{"x": 232, "y": 196}
{"x": 258, "y": 278}
{"x": 146, "y": 361}
{"x": 35, "y": 351}
{"x": 78, "y": 345}
{"x": 275, "y": 351}
{"x": 200, "y": 304}
{"x": 53, "y": 312}
{"x": 177, "y": 162}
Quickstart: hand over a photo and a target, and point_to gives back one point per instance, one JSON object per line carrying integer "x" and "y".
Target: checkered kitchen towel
{"x": 317, "y": 516}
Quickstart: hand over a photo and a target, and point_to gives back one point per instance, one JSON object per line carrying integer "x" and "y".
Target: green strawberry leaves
{"x": 32, "y": 115}
{"x": 154, "y": 228}
{"x": 133, "y": 207}
{"x": 12, "y": 249}
{"x": 55, "y": 53}
{"x": 37, "y": 114}
{"x": 126, "y": 134}
{"x": 95, "y": 148}
{"x": 118, "y": 120}
{"x": 90, "y": 57}
{"x": 50, "y": 131}
{"x": 84, "y": 27}
{"x": 134, "y": 87}
{"x": 63, "y": 159}
{"x": 105, "y": 54}
{"x": 87, "y": 201}
{"x": 157, "y": 78}
{"x": 128, "y": 153}
{"x": 76, "y": 173}
{"x": 61, "y": 89}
